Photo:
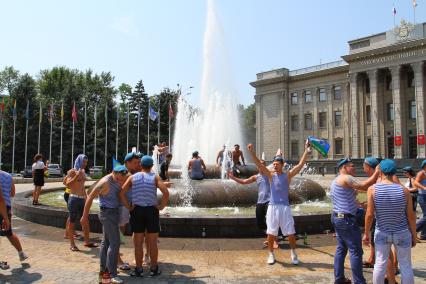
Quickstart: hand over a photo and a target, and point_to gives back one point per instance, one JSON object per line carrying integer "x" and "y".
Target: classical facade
{"x": 370, "y": 103}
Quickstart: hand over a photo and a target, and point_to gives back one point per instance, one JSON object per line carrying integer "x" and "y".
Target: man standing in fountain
{"x": 236, "y": 154}
{"x": 108, "y": 189}
{"x": 343, "y": 192}
{"x": 75, "y": 179}
{"x": 144, "y": 212}
{"x": 279, "y": 214}
{"x": 196, "y": 167}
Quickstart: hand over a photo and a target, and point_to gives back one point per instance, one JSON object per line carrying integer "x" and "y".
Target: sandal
{"x": 91, "y": 245}
{"x": 74, "y": 248}
{"x": 4, "y": 265}
{"x": 367, "y": 264}
{"x": 125, "y": 266}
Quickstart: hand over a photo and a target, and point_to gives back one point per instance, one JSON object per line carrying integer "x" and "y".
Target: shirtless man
{"x": 75, "y": 180}
{"x": 236, "y": 154}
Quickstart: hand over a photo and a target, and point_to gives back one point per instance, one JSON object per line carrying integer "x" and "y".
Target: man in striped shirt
{"x": 348, "y": 234}
{"x": 391, "y": 203}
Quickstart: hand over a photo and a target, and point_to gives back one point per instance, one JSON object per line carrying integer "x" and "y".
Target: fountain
{"x": 215, "y": 206}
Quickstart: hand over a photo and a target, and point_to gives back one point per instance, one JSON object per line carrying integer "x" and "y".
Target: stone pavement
{"x": 181, "y": 260}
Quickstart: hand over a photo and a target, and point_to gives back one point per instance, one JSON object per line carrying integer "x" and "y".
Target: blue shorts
{"x": 75, "y": 208}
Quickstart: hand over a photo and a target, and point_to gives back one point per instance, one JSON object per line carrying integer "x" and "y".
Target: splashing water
{"x": 216, "y": 120}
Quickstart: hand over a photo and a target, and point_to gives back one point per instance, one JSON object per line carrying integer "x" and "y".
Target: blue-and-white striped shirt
{"x": 423, "y": 182}
{"x": 111, "y": 200}
{"x": 6, "y": 186}
{"x": 144, "y": 189}
{"x": 343, "y": 199}
{"x": 390, "y": 207}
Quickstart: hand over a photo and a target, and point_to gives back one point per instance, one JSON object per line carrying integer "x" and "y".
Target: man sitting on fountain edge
{"x": 279, "y": 214}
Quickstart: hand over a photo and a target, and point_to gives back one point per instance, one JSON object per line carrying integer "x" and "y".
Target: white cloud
{"x": 125, "y": 25}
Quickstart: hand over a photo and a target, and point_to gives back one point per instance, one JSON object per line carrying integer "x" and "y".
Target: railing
{"x": 320, "y": 67}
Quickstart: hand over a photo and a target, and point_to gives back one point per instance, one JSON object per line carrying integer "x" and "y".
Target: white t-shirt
{"x": 39, "y": 165}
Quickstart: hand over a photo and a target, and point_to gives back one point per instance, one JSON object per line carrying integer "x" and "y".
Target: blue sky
{"x": 160, "y": 41}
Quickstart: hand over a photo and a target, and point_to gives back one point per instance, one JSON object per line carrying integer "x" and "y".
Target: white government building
{"x": 370, "y": 103}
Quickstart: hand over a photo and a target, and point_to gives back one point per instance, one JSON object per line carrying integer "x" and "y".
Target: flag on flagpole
{"x": 27, "y": 111}
{"x": 50, "y": 113}
{"x": 171, "y": 113}
{"x": 152, "y": 114}
{"x": 414, "y": 3}
{"x": 14, "y": 111}
{"x": 394, "y": 11}
{"x": 74, "y": 113}
{"x": 62, "y": 111}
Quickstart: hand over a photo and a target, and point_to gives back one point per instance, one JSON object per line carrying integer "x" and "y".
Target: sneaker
{"x": 154, "y": 272}
{"x": 116, "y": 280}
{"x": 271, "y": 258}
{"x": 138, "y": 272}
{"x": 294, "y": 259}
{"x": 22, "y": 256}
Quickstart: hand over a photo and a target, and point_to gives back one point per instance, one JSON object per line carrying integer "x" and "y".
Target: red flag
{"x": 2, "y": 105}
{"x": 74, "y": 113}
{"x": 171, "y": 114}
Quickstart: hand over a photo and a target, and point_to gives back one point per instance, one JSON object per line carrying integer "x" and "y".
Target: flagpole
{"x": 72, "y": 144}
{"x": 94, "y": 144}
{"x": 39, "y": 129}
{"x": 414, "y": 11}
{"x": 1, "y": 138}
{"x": 62, "y": 128}
{"x": 116, "y": 136}
{"x": 106, "y": 136}
{"x": 159, "y": 116}
{"x": 170, "y": 106}
{"x": 84, "y": 127}
{"x": 147, "y": 145}
{"x": 127, "y": 114}
{"x": 13, "y": 147}
{"x": 139, "y": 118}
{"x": 26, "y": 132}
{"x": 51, "y": 128}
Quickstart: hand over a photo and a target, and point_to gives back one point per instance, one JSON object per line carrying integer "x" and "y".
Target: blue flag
{"x": 152, "y": 114}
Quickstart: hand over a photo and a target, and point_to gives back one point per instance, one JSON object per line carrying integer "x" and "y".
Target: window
{"x": 388, "y": 82}
{"x": 294, "y": 98}
{"x": 337, "y": 92}
{"x": 410, "y": 79}
{"x": 322, "y": 118}
{"x": 322, "y": 95}
{"x": 369, "y": 150}
{"x": 338, "y": 146}
{"x": 294, "y": 122}
{"x": 367, "y": 86}
{"x": 308, "y": 97}
{"x": 294, "y": 149}
{"x": 389, "y": 111}
{"x": 368, "y": 113}
{"x": 338, "y": 118}
{"x": 308, "y": 121}
{"x": 412, "y": 110}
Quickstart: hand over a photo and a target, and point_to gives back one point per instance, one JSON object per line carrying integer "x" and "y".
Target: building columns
{"x": 420, "y": 105}
{"x": 353, "y": 77}
{"x": 397, "y": 109}
{"x": 375, "y": 141}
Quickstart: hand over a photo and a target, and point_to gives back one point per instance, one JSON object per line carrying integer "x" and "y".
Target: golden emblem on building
{"x": 403, "y": 31}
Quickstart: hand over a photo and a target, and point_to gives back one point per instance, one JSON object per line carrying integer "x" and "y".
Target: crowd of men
{"x": 129, "y": 195}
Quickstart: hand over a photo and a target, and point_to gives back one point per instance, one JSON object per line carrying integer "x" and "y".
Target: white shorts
{"x": 279, "y": 216}
{"x": 124, "y": 216}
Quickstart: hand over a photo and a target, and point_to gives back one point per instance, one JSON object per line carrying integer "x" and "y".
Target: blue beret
{"x": 343, "y": 162}
{"x": 388, "y": 167}
{"x": 132, "y": 155}
{"x": 423, "y": 164}
{"x": 147, "y": 161}
{"x": 120, "y": 168}
{"x": 371, "y": 161}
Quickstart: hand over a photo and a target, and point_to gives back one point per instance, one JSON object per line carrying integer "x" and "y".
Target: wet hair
{"x": 169, "y": 155}
{"x": 236, "y": 145}
{"x": 195, "y": 154}
{"x": 38, "y": 157}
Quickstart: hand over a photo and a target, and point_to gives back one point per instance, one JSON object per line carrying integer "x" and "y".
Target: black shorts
{"x": 7, "y": 233}
{"x": 66, "y": 197}
{"x": 75, "y": 208}
{"x": 261, "y": 209}
{"x": 38, "y": 177}
{"x": 145, "y": 219}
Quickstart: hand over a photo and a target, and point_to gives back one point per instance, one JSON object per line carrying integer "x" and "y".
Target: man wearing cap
{"x": 144, "y": 212}
{"x": 391, "y": 203}
{"x": 279, "y": 215}
{"x": 75, "y": 180}
{"x": 108, "y": 189}
{"x": 196, "y": 167}
{"x": 420, "y": 184}
{"x": 343, "y": 192}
